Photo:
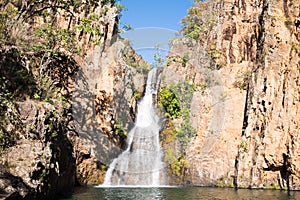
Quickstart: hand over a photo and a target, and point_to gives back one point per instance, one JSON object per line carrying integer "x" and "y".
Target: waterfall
{"x": 141, "y": 163}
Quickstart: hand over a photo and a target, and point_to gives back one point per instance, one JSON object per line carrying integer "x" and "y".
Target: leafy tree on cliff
{"x": 200, "y": 21}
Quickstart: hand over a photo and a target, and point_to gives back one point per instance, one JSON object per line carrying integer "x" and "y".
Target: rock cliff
{"x": 68, "y": 89}
{"x": 269, "y": 157}
{"x": 104, "y": 100}
{"x": 242, "y": 59}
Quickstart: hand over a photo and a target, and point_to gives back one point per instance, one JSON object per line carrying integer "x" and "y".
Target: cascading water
{"x": 141, "y": 163}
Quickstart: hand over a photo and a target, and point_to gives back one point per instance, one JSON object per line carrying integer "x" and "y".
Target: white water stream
{"x": 141, "y": 163}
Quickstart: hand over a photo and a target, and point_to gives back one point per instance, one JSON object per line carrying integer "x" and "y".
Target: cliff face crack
{"x": 261, "y": 33}
{"x": 257, "y": 140}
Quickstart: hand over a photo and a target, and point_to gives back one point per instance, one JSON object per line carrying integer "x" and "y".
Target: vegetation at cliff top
{"x": 133, "y": 60}
{"x": 200, "y": 21}
{"x": 38, "y": 25}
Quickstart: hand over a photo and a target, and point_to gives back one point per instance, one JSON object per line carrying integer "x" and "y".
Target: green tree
{"x": 200, "y": 21}
{"x": 169, "y": 101}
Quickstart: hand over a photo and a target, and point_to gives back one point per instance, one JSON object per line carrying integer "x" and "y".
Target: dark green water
{"x": 179, "y": 193}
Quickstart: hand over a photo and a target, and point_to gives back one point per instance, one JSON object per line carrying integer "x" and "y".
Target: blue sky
{"x": 154, "y": 22}
{"x": 155, "y": 13}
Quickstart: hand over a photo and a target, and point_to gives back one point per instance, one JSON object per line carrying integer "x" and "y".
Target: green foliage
{"x": 36, "y": 96}
{"x": 7, "y": 16}
{"x": 55, "y": 39}
{"x": 178, "y": 59}
{"x": 185, "y": 58}
{"x": 199, "y": 22}
{"x": 177, "y": 163}
{"x": 120, "y": 131}
{"x": 184, "y": 91}
{"x": 176, "y": 100}
{"x": 120, "y": 7}
{"x": 136, "y": 94}
{"x": 122, "y": 27}
{"x": 46, "y": 91}
{"x": 88, "y": 26}
{"x": 36, "y": 60}
{"x": 169, "y": 101}
{"x": 8, "y": 123}
{"x": 43, "y": 175}
{"x": 244, "y": 146}
{"x": 185, "y": 133}
{"x": 17, "y": 83}
{"x": 14, "y": 83}
{"x": 132, "y": 59}
{"x": 20, "y": 159}
{"x": 143, "y": 68}
{"x": 16, "y": 80}
{"x": 52, "y": 125}
{"x": 214, "y": 53}
{"x": 158, "y": 58}
{"x": 18, "y": 23}
{"x": 168, "y": 134}
{"x": 43, "y": 46}
{"x": 5, "y": 140}
{"x": 127, "y": 27}
{"x": 274, "y": 186}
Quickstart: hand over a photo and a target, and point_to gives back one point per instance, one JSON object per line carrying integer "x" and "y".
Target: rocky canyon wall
{"x": 269, "y": 157}
{"x": 244, "y": 69}
{"x": 104, "y": 106}
{"x": 64, "y": 113}
{"x": 230, "y": 90}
